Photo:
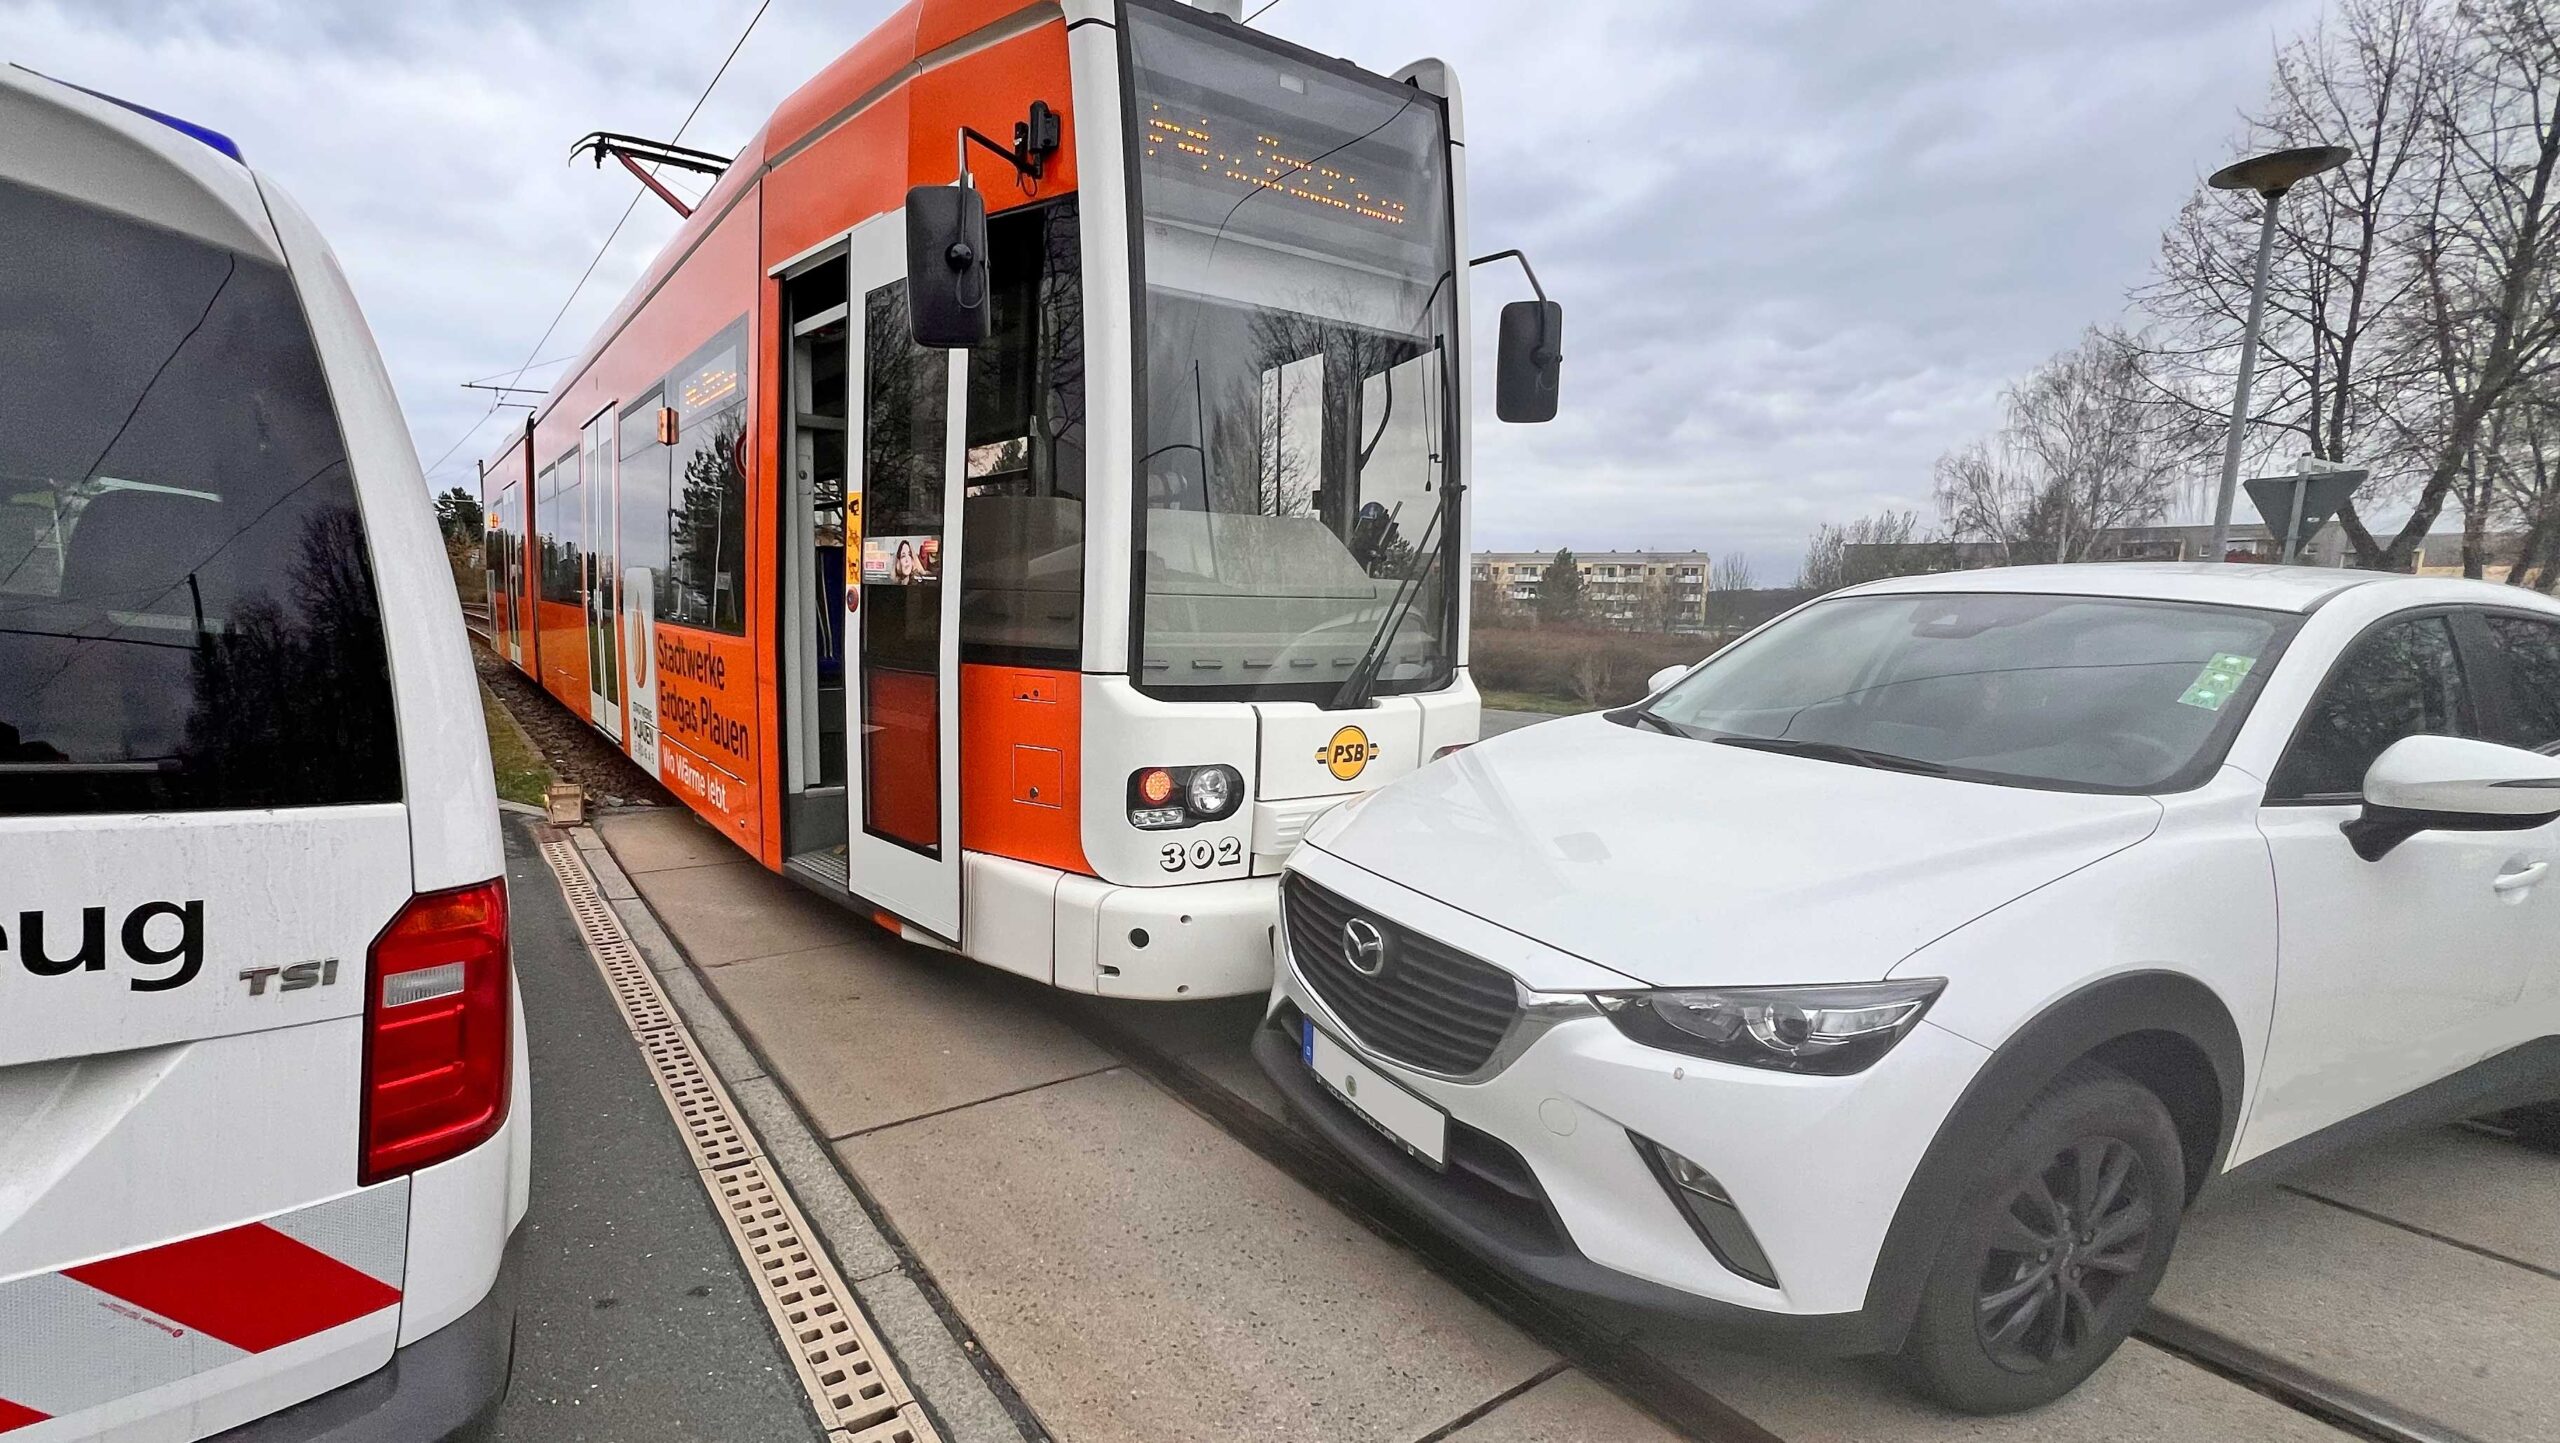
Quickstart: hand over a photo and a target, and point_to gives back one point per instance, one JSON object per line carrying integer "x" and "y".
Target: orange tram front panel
{"x": 705, "y": 703}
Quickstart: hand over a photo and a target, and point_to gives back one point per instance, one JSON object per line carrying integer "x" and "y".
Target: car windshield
{"x": 2072, "y": 692}
{"x": 1296, "y": 446}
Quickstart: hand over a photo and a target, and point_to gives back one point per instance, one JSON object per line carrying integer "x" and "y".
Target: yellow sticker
{"x": 1348, "y": 754}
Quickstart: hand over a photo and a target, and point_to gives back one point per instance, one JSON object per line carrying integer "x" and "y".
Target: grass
{"x": 520, "y": 771}
{"x": 1532, "y": 701}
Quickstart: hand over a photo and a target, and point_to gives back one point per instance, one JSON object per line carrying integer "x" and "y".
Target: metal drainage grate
{"x": 848, "y": 1376}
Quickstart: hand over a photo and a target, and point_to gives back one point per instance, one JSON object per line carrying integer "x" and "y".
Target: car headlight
{"x": 1827, "y": 1030}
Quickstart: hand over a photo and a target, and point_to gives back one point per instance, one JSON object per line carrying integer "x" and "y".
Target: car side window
{"x": 2404, "y": 680}
{"x": 2532, "y": 651}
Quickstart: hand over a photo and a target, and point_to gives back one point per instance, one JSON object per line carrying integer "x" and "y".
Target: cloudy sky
{"x": 1801, "y": 245}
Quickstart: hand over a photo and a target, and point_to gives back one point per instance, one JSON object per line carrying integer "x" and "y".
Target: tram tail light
{"x": 1164, "y": 799}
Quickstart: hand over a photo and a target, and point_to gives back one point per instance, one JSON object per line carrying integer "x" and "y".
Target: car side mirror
{"x": 2452, "y": 784}
{"x": 947, "y": 290}
{"x": 1661, "y": 681}
{"x": 1529, "y": 362}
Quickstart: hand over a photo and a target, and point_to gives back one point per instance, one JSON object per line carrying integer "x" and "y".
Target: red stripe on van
{"x": 13, "y": 1416}
{"x": 251, "y": 1287}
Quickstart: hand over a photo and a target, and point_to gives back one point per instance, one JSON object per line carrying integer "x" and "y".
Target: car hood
{"x": 1684, "y": 863}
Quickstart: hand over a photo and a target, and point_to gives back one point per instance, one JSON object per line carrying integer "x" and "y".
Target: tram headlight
{"x": 1167, "y": 798}
{"x": 1212, "y": 792}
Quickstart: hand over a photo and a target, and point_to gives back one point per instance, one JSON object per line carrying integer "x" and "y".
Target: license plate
{"x": 1420, "y": 1127}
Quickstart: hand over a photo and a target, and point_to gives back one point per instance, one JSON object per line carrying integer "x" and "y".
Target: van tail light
{"x": 436, "y": 1031}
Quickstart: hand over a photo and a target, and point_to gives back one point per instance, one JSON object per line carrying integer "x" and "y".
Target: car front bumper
{"x": 432, "y": 1389}
{"x": 1817, "y": 1166}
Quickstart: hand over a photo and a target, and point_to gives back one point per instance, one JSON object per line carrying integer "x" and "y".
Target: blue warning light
{"x": 208, "y": 135}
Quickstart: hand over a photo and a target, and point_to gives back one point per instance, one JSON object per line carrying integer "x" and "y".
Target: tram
{"x": 1027, "y": 490}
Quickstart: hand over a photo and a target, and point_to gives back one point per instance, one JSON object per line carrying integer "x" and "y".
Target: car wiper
{"x": 1638, "y": 716}
{"x": 1837, "y": 752}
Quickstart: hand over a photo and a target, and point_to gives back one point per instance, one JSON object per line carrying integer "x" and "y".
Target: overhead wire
{"x": 589, "y": 273}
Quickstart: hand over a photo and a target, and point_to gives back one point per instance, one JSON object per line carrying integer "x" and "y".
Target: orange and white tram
{"x": 1028, "y": 560}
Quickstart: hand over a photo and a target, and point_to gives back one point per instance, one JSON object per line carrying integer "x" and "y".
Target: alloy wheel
{"x": 2064, "y": 1239}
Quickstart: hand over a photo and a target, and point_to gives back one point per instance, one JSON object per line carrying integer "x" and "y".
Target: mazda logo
{"x": 1364, "y": 947}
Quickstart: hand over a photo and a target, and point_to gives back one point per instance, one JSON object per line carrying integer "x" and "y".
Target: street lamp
{"x": 2270, "y": 175}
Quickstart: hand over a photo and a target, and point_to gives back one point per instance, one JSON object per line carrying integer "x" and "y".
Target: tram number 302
{"x": 1201, "y": 852}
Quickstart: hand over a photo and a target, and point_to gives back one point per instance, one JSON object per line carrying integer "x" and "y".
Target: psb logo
{"x": 1348, "y": 754}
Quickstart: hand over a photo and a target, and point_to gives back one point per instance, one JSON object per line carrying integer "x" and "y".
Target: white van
{"x": 263, "y": 1116}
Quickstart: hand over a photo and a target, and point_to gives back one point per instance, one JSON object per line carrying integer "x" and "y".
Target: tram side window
{"x": 1022, "y": 574}
{"x": 706, "y": 576}
{"x": 642, "y": 514}
{"x": 564, "y": 534}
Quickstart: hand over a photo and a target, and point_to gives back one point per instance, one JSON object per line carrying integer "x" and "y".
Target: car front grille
{"x": 1430, "y": 1006}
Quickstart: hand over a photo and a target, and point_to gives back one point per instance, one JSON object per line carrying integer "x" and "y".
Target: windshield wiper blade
{"x": 1837, "y": 752}
{"x": 1638, "y": 716}
{"x": 1355, "y": 688}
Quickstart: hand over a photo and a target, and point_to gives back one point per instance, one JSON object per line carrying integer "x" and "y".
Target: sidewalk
{"x": 1131, "y": 1272}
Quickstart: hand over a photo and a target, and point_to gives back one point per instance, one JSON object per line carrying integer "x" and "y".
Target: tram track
{"x": 1678, "y": 1401}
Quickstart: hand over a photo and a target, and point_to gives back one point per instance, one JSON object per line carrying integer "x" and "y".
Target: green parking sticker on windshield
{"x": 2219, "y": 679}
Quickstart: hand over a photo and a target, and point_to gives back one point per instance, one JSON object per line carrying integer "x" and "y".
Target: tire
{"x": 2063, "y": 1236}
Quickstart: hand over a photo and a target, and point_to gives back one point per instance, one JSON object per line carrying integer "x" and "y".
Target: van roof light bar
{"x": 204, "y": 133}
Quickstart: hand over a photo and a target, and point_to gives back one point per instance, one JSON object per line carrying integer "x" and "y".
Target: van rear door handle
{"x": 2522, "y": 877}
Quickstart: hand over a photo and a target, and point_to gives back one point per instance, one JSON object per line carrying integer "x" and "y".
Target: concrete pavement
{"x": 1495, "y": 723}
{"x": 1134, "y": 1273}
{"x": 1131, "y": 1272}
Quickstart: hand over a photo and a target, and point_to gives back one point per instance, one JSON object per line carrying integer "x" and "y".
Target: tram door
{"x": 604, "y": 582}
{"x": 817, "y": 397}
{"x": 902, "y": 540}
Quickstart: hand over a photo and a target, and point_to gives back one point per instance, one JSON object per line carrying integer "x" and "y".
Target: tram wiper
{"x": 1364, "y": 676}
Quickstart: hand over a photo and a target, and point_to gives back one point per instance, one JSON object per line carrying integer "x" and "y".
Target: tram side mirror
{"x": 2454, "y": 784}
{"x": 1529, "y": 363}
{"x": 947, "y": 267}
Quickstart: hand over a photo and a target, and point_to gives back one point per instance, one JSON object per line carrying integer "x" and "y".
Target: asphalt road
{"x": 635, "y": 1318}
{"x": 1498, "y": 722}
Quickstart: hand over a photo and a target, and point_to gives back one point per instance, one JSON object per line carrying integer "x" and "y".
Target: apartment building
{"x": 1631, "y": 589}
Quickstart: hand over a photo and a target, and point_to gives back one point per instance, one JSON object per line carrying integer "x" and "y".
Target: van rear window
{"x": 188, "y": 618}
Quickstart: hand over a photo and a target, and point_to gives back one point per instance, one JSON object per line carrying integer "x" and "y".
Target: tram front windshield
{"x": 1297, "y": 433}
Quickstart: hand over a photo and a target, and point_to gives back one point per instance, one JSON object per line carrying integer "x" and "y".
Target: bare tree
{"x": 2521, "y": 461}
{"x": 2486, "y": 249}
{"x": 2413, "y": 293}
{"x": 1870, "y": 548}
{"x": 1657, "y": 603}
{"x": 1595, "y": 674}
{"x": 1732, "y": 572}
{"x": 2329, "y": 382}
{"x": 2079, "y": 453}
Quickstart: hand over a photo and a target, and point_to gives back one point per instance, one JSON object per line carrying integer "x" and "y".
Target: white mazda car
{"x": 1895, "y": 980}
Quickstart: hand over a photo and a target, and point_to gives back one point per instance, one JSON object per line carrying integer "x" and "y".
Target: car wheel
{"x": 2060, "y": 1241}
